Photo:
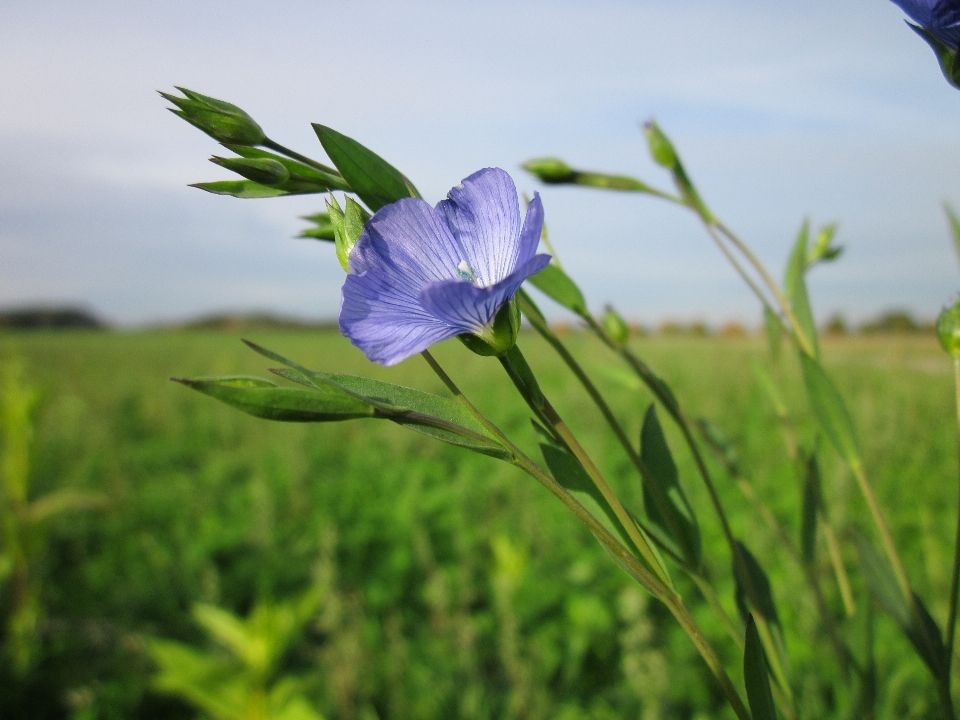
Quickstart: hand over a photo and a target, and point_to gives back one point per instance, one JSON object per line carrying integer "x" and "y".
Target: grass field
{"x": 453, "y": 586}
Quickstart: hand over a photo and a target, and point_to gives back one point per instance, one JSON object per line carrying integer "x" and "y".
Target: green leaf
{"x": 830, "y": 410}
{"x": 246, "y": 189}
{"x": 264, "y": 399}
{"x": 795, "y": 287}
{"x": 431, "y": 415}
{"x": 347, "y": 226}
{"x": 756, "y": 675}
{"x": 808, "y": 513}
{"x": 323, "y": 227}
{"x": 758, "y": 600}
{"x": 671, "y": 517}
{"x": 557, "y": 285}
{"x": 920, "y": 628}
{"x": 721, "y": 444}
{"x": 372, "y": 178}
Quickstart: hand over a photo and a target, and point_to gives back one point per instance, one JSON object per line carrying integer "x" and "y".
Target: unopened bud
{"x": 550, "y": 170}
{"x": 661, "y": 149}
{"x": 948, "y": 329}
{"x": 220, "y": 120}
{"x": 261, "y": 170}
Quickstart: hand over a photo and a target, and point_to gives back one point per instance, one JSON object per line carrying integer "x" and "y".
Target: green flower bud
{"x": 261, "y": 170}
{"x": 661, "y": 149}
{"x": 500, "y": 336}
{"x": 615, "y": 326}
{"x": 550, "y": 170}
{"x": 948, "y": 329}
{"x": 220, "y": 120}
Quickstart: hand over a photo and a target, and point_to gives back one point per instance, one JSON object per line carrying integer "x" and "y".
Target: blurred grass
{"x": 454, "y": 586}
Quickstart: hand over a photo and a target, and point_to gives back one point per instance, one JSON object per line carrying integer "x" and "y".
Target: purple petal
{"x": 940, "y": 17}
{"x": 920, "y": 11}
{"x": 407, "y": 238}
{"x": 532, "y": 228}
{"x": 382, "y": 316}
{"x": 483, "y": 214}
{"x": 469, "y": 308}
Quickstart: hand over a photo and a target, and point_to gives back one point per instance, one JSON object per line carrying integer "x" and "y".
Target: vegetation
{"x": 448, "y": 584}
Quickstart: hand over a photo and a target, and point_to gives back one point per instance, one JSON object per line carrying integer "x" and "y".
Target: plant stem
{"x": 669, "y": 597}
{"x": 555, "y": 422}
{"x": 663, "y": 394}
{"x": 955, "y": 578}
{"x": 293, "y": 155}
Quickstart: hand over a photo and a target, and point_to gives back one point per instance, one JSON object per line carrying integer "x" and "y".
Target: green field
{"x": 453, "y": 586}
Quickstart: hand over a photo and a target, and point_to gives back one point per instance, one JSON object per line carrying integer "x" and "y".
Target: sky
{"x": 832, "y": 111}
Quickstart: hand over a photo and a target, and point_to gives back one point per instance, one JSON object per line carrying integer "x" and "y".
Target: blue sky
{"x": 833, "y": 111}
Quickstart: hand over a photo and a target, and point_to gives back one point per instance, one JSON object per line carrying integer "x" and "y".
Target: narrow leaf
{"x": 246, "y": 189}
{"x": 756, "y": 675}
{"x": 916, "y": 622}
{"x": 795, "y": 286}
{"x": 264, "y": 399}
{"x": 668, "y": 509}
{"x": 762, "y": 601}
{"x": 830, "y": 410}
{"x": 431, "y": 415}
{"x": 773, "y": 327}
{"x": 557, "y": 285}
{"x": 811, "y": 503}
{"x": 371, "y": 177}
{"x": 567, "y": 471}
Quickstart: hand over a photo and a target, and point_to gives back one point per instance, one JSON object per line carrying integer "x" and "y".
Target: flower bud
{"x": 948, "y": 329}
{"x": 550, "y": 170}
{"x": 661, "y": 149}
{"x": 500, "y": 336}
{"x": 615, "y": 326}
{"x": 261, "y": 170}
{"x": 220, "y": 120}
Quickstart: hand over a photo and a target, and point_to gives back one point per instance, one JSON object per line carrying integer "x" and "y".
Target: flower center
{"x": 465, "y": 272}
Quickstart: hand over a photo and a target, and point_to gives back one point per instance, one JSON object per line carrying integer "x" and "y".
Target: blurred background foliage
{"x": 167, "y": 557}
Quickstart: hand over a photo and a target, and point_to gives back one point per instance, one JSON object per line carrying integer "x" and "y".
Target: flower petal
{"x": 408, "y": 238}
{"x": 532, "y": 228}
{"x": 469, "y": 308}
{"x": 382, "y": 316}
{"x": 483, "y": 214}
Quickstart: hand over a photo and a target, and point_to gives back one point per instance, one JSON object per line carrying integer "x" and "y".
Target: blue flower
{"x": 422, "y": 274}
{"x": 941, "y": 18}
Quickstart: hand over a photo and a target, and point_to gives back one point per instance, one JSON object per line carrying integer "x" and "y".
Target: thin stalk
{"x": 293, "y": 155}
{"x": 886, "y": 539}
{"x": 646, "y": 476}
{"x": 955, "y": 578}
{"x": 769, "y": 282}
{"x": 554, "y": 421}
{"x": 669, "y": 597}
{"x": 666, "y": 397}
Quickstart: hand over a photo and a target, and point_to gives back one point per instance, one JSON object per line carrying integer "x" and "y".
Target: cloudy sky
{"x": 822, "y": 109}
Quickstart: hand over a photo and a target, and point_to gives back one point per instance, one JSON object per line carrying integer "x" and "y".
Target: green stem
{"x": 542, "y": 407}
{"x": 955, "y": 578}
{"x": 669, "y": 597}
{"x": 660, "y": 390}
{"x": 293, "y": 155}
